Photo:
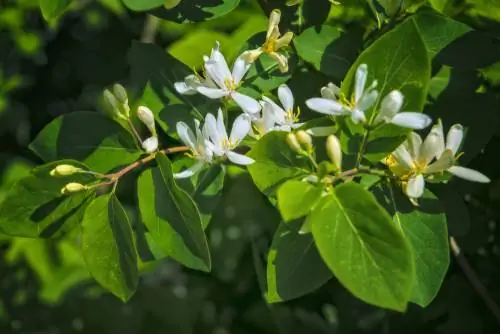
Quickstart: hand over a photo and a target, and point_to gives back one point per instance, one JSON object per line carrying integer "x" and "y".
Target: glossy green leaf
{"x": 196, "y": 11}
{"x": 425, "y": 227}
{"x": 296, "y": 199}
{"x": 143, "y": 5}
{"x": 35, "y": 207}
{"x": 171, "y": 216}
{"x": 108, "y": 246}
{"x": 294, "y": 267}
{"x": 52, "y": 9}
{"x": 328, "y": 49}
{"x": 365, "y": 250}
{"x": 275, "y": 162}
{"x": 89, "y": 137}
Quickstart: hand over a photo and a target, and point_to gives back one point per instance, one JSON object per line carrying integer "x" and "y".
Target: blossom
{"x": 415, "y": 159}
{"x": 363, "y": 98}
{"x": 390, "y": 112}
{"x": 150, "y": 144}
{"x": 273, "y": 43}
{"x": 201, "y": 148}
{"x": 220, "y": 81}
{"x": 223, "y": 146}
{"x": 275, "y": 117}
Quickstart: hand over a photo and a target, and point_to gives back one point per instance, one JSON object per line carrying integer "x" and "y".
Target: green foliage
{"x": 296, "y": 199}
{"x": 108, "y": 246}
{"x": 52, "y": 9}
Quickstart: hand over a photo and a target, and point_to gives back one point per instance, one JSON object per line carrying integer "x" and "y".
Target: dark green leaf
{"x": 52, "y": 9}
{"x": 108, "y": 246}
{"x": 196, "y": 11}
{"x": 296, "y": 199}
{"x": 328, "y": 49}
{"x": 35, "y": 207}
{"x": 89, "y": 137}
{"x": 275, "y": 162}
{"x": 365, "y": 250}
{"x": 294, "y": 267}
{"x": 172, "y": 217}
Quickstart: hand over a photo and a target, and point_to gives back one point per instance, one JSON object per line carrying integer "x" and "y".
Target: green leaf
{"x": 365, "y": 250}
{"x": 172, "y": 217}
{"x": 328, "y": 49}
{"x": 425, "y": 227}
{"x": 296, "y": 199}
{"x": 89, "y": 137}
{"x": 143, "y": 5}
{"x": 52, "y": 9}
{"x": 108, "y": 246}
{"x": 294, "y": 267}
{"x": 196, "y": 11}
{"x": 275, "y": 162}
{"x": 35, "y": 207}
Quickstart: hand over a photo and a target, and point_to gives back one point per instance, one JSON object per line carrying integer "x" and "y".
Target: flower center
{"x": 269, "y": 45}
{"x": 230, "y": 84}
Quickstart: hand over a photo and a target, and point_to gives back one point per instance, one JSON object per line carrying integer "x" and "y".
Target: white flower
{"x": 363, "y": 98}
{"x": 201, "y": 148}
{"x": 274, "y": 42}
{"x": 390, "y": 113}
{"x": 275, "y": 117}
{"x": 220, "y": 81}
{"x": 150, "y": 144}
{"x": 415, "y": 160}
{"x": 223, "y": 145}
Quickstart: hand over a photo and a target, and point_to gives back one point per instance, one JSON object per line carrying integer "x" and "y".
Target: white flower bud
{"x": 292, "y": 141}
{"x": 150, "y": 145}
{"x": 334, "y": 151}
{"x": 73, "y": 187}
{"x": 64, "y": 170}
{"x": 146, "y": 116}
{"x": 305, "y": 140}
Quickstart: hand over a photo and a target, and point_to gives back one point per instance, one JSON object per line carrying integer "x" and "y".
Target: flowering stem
{"x": 364, "y": 143}
{"x": 136, "y": 134}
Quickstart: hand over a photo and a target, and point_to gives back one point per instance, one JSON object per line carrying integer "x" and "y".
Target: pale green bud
{"x": 292, "y": 141}
{"x": 64, "y": 170}
{"x": 120, "y": 93}
{"x": 73, "y": 187}
{"x": 334, "y": 151}
{"x": 305, "y": 140}
{"x": 110, "y": 99}
{"x": 146, "y": 116}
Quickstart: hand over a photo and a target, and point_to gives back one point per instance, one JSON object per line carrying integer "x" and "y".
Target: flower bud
{"x": 120, "y": 93}
{"x": 110, "y": 99}
{"x": 150, "y": 145}
{"x": 64, "y": 170}
{"x": 334, "y": 151}
{"x": 292, "y": 141}
{"x": 73, "y": 187}
{"x": 146, "y": 116}
{"x": 305, "y": 140}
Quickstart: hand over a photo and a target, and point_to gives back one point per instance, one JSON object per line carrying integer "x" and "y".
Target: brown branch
{"x": 474, "y": 280}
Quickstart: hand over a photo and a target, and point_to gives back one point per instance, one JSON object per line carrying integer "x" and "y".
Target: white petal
{"x": 358, "y": 116}
{"x": 321, "y": 131}
{"x": 325, "y": 106}
{"x": 403, "y": 157}
{"x": 146, "y": 116}
{"x": 246, "y": 103}
{"x": 415, "y": 187}
{"x": 468, "y": 174}
{"x": 186, "y": 135}
{"x": 413, "y": 144}
{"x": 150, "y": 145}
{"x": 430, "y": 148}
{"x": 437, "y": 130}
{"x": 220, "y": 61}
{"x": 240, "y": 68}
{"x": 454, "y": 138}
{"x": 221, "y": 127}
{"x": 330, "y": 91}
{"x": 213, "y": 93}
{"x": 412, "y": 120}
{"x": 390, "y": 106}
{"x": 445, "y": 161}
{"x": 210, "y": 129}
{"x": 189, "y": 172}
{"x": 182, "y": 88}
{"x": 239, "y": 159}
{"x": 277, "y": 112}
{"x": 218, "y": 72}
{"x": 282, "y": 61}
{"x": 367, "y": 100}
{"x": 241, "y": 127}
{"x": 265, "y": 123}
{"x": 360, "y": 81}
{"x": 286, "y": 97}
{"x": 274, "y": 20}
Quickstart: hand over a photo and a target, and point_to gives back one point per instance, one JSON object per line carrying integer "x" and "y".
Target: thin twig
{"x": 150, "y": 29}
{"x": 473, "y": 279}
{"x": 134, "y": 130}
